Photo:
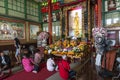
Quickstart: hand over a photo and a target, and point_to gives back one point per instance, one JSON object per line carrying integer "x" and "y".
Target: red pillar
{"x": 99, "y": 13}
{"x": 96, "y": 15}
{"x": 50, "y": 21}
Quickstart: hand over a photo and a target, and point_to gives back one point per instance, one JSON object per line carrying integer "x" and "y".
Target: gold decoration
{"x": 70, "y": 53}
{"x": 65, "y": 43}
{"x": 65, "y": 10}
{"x": 46, "y": 52}
{"x": 68, "y": 1}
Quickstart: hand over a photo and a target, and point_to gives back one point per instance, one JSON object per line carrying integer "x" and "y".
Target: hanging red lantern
{"x": 46, "y": 9}
{"x": 43, "y": 9}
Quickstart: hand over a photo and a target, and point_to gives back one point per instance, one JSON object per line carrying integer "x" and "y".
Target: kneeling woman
{"x": 28, "y": 64}
{"x": 64, "y": 68}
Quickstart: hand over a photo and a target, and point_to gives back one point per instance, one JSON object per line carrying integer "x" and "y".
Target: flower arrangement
{"x": 98, "y": 31}
{"x": 82, "y": 47}
{"x": 43, "y": 36}
{"x": 65, "y": 43}
{"x": 51, "y": 46}
{"x": 47, "y": 47}
{"x": 73, "y": 43}
{"x": 76, "y": 49}
{"x": 58, "y": 43}
{"x": 65, "y": 50}
{"x": 70, "y": 53}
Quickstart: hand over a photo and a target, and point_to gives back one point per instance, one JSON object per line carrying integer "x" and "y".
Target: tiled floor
{"x": 91, "y": 74}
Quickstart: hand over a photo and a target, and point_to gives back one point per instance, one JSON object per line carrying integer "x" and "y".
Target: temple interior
{"x": 59, "y": 39}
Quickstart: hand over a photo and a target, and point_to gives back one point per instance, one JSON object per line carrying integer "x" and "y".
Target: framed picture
{"x": 10, "y": 30}
{"x": 33, "y": 31}
{"x": 75, "y": 22}
{"x": 111, "y": 5}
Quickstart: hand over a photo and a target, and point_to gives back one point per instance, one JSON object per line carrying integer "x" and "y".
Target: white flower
{"x": 65, "y": 50}
{"x": 49, "y": 51}
{"x": 43, "y": 36}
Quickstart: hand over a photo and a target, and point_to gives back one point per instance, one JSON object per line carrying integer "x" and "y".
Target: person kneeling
{"x": 5, "y": 65}
{"x": 5, "y": 62}
{"x": 28, "y": 64}
{"x": 51, "y": 66}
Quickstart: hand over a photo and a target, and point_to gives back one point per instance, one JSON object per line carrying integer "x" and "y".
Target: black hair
{"x": 25, "y": 51}
{"x": 17, "y": 41}
{"x": 26, "y": 55}
{"x": 51, "y": 56}
{"x": 37, "y": 50}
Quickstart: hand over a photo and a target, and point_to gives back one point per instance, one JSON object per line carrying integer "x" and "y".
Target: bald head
{"x": 64, "y": 57}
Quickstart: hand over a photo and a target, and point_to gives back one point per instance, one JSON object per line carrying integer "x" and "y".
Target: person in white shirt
{"x": 51, "y": 66}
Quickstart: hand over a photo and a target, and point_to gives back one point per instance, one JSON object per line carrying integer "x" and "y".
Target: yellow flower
{"x": 46, "y": 52}
{"x": 51, "y": 46}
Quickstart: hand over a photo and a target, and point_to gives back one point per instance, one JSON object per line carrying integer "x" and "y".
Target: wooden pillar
{"x": 50, "y": 21}
{"x": 99, "y": 13}
{"x": 89, "y": 24}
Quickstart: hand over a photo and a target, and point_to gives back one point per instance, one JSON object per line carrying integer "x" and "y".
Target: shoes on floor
{"x": 56, "y": 68}
{"x": 34, "y": 72}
